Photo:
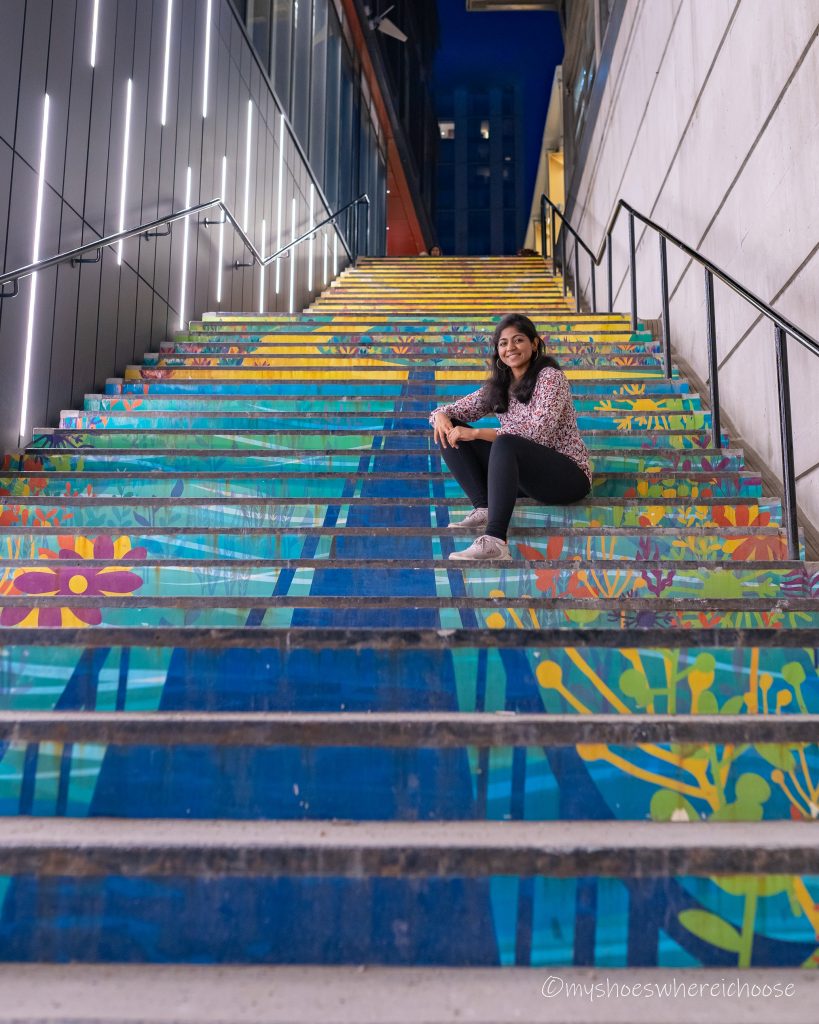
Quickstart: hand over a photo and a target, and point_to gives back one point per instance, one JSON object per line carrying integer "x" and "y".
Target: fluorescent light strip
{"x": 125, "y": 145}
{"x": 94, "y": 23}
{"x": 310, "y": 245}
{"x": 293, "y": 256}
{"x": 207, "y": 62}
{"x": 168, "y": 23}
{"x": 279, "y": 201}
{"x": 262, "y": 269}
{"x": 35, "y": 255}
{"x": 247, "y": 160}
{"x": 185, "y": 254}
{"x": 335, "y": 253}
{"x": 326, "y": 252}
{"x": 221, "y": 233}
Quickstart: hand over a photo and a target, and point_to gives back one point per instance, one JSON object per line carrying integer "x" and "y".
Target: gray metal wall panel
{"x": 11, "y": 55}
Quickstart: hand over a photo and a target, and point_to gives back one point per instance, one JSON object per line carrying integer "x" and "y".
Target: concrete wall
{"x": 709, "y": 124}
{"x": 91, "y": 321}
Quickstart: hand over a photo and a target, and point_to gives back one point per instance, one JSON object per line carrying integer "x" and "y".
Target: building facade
{"x": 480, "y": 201}
{"x": 118, "y": 114}
{"x": 703, "y": 116}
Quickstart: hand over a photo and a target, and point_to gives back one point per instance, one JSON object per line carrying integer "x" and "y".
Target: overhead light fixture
{"x": 95, "y": 17}
{"x": 223, "y": 197}
{"x": 261, "y": 270}
{"x": 124, "y": 183}
{"x": 167, "y": 64}
{"x": 279, "y": 201}
{"x": 35, "y": 256}
{"x": 247, "y": 160}
{"x": 206, "y": 74}
{"x": 185, "y": 253}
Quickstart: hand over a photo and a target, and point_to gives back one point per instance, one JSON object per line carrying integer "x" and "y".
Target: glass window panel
{"x": 258, "y": 20}
{"x": 300, "y": 96}
{"x": 332, "y": 101}
{"x": 318, "y": 86}
{"x": 282, "y": 44}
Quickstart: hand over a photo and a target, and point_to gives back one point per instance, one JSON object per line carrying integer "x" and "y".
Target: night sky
{"x": 499, "y": 47}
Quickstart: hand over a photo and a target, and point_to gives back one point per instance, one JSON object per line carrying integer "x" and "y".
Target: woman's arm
{"x": 471, "y": 407}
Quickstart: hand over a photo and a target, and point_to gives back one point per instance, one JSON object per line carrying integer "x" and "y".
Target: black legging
{"x": 494, "y": 474}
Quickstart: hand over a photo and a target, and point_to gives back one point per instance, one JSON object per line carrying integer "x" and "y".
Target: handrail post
{"x": 367, "y": 228}
{"x": 563, "y": 257}
{"x": 554, "y": 247}
{"x": 609, "y": 272}
{"x": 632, "y": 253}
{"x": 543, "y": 226}
{"x": 666, "y": 324}
{"x": 593, "y": 283}
{"x": 576, "y": 277}
{"x": 786, "y": 435}
{"x": 711, "y": 336}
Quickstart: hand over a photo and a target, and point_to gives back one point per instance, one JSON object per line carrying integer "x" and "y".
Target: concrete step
{"x": 358, "y": 994}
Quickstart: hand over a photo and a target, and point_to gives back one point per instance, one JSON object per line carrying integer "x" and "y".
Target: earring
{"x": 499, "y": 364}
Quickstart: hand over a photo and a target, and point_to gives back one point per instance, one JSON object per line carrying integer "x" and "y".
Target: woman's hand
{"x": 441, "y": 427}
{"x": 456, "y": 434}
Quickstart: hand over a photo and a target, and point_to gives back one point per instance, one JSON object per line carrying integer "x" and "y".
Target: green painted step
{"x": 176, "y": 460}
{"x": 530, "y": 542}
{"x": 329, "y": 483}
{"x": 78, "y": 512}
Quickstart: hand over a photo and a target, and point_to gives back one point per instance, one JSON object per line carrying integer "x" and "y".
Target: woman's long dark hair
{"x": 500, "y": 382}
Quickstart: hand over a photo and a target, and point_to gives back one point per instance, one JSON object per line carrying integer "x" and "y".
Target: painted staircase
{"x": 252, "y": 715}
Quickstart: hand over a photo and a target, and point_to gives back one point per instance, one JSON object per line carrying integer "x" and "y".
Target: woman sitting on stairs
{"x": 536, "y": 453}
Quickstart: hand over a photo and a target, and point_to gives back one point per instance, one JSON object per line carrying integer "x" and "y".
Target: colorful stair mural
{"x": 225, "y": 595}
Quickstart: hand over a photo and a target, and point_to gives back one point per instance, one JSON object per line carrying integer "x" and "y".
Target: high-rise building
{"x": 481, "y": 199}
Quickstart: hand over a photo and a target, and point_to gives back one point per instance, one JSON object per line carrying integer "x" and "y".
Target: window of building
{"x": 446, "y": 129}
{"x": 484, "y": 129}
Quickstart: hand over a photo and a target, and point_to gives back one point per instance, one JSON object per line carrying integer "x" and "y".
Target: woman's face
{"x": 515, "y": 349}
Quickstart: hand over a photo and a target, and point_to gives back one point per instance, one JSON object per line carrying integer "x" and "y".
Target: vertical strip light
{"x": 221, "y": 233}
{"x": 326, "y": 253}
{"x": 167, "y": 65}
{"x": 279, "y": 201}
{"x": 35, "y": 255}
{"x": 206, "y": 73}
{"x": 126, "y": 138}
{"x": 310, "y": 243}
{"x": 95, "y": 17}
{"x": 293, "y": 257}
{"x": 185, "y": 253}
{"x": 335, "y": 253}
{"x": 262, "y": 269}
{"x": 247, "y": 160}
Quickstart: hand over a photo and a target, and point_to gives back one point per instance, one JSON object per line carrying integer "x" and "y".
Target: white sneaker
{"x": 484, "y": 549}
{"x": 476, "y": 520}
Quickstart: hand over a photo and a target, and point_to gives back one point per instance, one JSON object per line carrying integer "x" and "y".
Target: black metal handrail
{"x": 783, "y": 327}
{"x": 75, "y": 256}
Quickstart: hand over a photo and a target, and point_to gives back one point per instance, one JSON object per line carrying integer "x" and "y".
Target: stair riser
{"x": 339, "y": 439}
{"x": 201, "y": 461}
{"x": 412, "y": 390}
{"x": 442, "y": 922}
{"x": 361, "y": 783}
{"x": 376, "y": 372}
{"x": 150, "y": 403}
{"x": 346, "y": 421}
{"x": 294, "y": 514}
{"x": 318, "y": 485}
{"x": 646, "y": 545}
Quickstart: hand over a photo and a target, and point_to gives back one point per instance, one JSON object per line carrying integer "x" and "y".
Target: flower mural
{"x": 57, "y": 578}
